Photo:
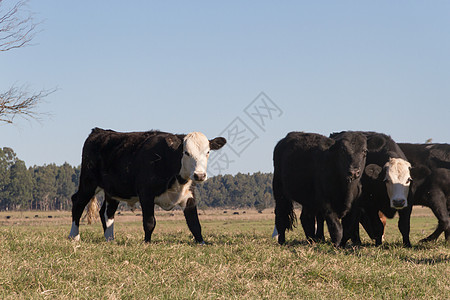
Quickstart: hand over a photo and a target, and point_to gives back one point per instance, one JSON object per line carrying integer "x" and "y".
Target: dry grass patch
{"x": 239, "y": 261}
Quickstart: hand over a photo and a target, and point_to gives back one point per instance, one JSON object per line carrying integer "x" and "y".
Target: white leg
{"x": 109, "y": 231}
{"x": 74, "y": 232}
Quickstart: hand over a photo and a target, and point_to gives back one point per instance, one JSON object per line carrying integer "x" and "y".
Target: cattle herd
{"x": 346, "y": 179}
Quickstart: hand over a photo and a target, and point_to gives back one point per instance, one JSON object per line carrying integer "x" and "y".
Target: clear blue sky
{"x": 183, "y": 66}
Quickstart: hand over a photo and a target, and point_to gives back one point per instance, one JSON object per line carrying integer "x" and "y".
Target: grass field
{"x": 241, "y": 260}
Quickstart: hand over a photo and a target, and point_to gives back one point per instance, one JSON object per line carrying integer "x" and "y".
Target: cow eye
{"x": 207, "y": 153}
{"x": 186, "y": 153}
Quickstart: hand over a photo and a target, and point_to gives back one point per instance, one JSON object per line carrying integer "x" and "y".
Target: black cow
{"x": 150, "y": 167}
{"x": 430, "y": 155}
{"x": 321, "y": 174}
{"x": 385, "y": 187}
{"x": 431, "y": 187}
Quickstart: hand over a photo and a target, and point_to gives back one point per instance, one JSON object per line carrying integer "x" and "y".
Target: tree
{"x": 7, "y": 158}
{"x": 15, "y": 181}
{"x": 45, "y": 189}
{"x": 17, "y": 30}
{"x": 65, "y": 185}
{"x": 20, "y": 186}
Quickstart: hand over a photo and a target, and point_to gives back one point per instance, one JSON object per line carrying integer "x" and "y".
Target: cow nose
{"x": 199, "y": 176}
{"x": 354, "y": 173}
{"x": 399, "y": 203}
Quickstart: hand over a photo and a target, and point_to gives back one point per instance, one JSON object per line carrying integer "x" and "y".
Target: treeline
{"x": 50, "y": 187}
{"x": 238, "y": 191}
{"x": 47, "y": 187}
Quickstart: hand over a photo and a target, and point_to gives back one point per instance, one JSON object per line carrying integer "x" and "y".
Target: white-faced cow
{"x": 150, "y": 167}
{"x": 321, "y": 174}
{"x": 385, "y": 187}
{"x": 431, "y": 182}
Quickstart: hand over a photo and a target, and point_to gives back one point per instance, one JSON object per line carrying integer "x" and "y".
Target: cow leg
{"x": 371, "y": 222}
{"x": 80, "y": 199}
{"x": 107, "y": 213}
{"x": 347, "y": 230}
{"x": 438, "y": 205}
{"x": 102, "y": 214}
{"x": 308, "y": 220}
{"x": 320, "y": 236}
{"x": 280, "y": 226}
{"x": 434, "y": 236}
{"x": 334, "y": 227}
{"x": 191, "y": 216}
{"x": 404, "y": 224}
{"x": 350, "y": 226}
{"x": 284, "y": 211}
{"x": 148, "y": 215}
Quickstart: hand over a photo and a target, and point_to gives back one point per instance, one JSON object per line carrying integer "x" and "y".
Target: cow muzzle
{"x": 199, "y": 176}
{"x": 353, "y": 174}
{"x": 399, "y": 203}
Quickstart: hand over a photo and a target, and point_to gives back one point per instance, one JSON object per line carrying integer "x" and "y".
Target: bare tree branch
{"x": 17, "y": 27}
{"x": 19, "y": 102}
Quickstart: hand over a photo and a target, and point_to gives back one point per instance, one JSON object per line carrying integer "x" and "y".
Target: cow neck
{"x": 181, "y": 180}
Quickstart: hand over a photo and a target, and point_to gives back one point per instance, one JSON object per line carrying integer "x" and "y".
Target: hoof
{"x": 74, "y": 238}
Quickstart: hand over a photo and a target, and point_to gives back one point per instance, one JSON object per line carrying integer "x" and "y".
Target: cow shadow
{"x": 438, "y": 259}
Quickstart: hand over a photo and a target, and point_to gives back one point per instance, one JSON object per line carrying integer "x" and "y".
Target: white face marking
{"x": 177, "y": 195}
{"x": 398, "y": 180}
{"x": 74, "y": 232}
{"x": 195, "y": 156}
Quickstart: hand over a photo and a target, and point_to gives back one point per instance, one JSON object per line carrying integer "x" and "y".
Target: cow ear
{"x": 375, "y": 143}
{"x": 373, "y": 171}
{"x": 173, "y": 141}
{"x": 419, "y": 172}
{"x": 217, "y": 143}
{"x": 327, "y": 144}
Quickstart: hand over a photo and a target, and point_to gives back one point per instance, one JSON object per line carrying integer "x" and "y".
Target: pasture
{"x": 241, "y": 260}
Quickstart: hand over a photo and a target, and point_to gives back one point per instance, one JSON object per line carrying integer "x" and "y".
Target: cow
{"x": 385, "y": 187}
{"x": 320, "y": 173}
{"x": 431, "y": 155}
{"x": 150, "y": 167}
{"x": 431, "y": 186}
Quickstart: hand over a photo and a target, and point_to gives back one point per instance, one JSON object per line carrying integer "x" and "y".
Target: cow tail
{"x": 291, "y": 216}
{"x": 285, "y": 217}
{"x": 92, "y": 211}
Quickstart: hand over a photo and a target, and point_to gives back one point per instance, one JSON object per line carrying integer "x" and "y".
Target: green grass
{"x": 240, "y": 261}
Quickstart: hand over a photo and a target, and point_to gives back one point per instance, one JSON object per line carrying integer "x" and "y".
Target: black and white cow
{"x": 431, "y": 184}
{"x": 385, "y": 187}
{"x": 150, "y": 167}
{"x": 321, "y": 174}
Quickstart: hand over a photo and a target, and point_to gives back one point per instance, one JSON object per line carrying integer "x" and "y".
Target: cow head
{"x": 196, "y": 148}
{"x": 351, "y": 151}
{"x": 396, "y": 175}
